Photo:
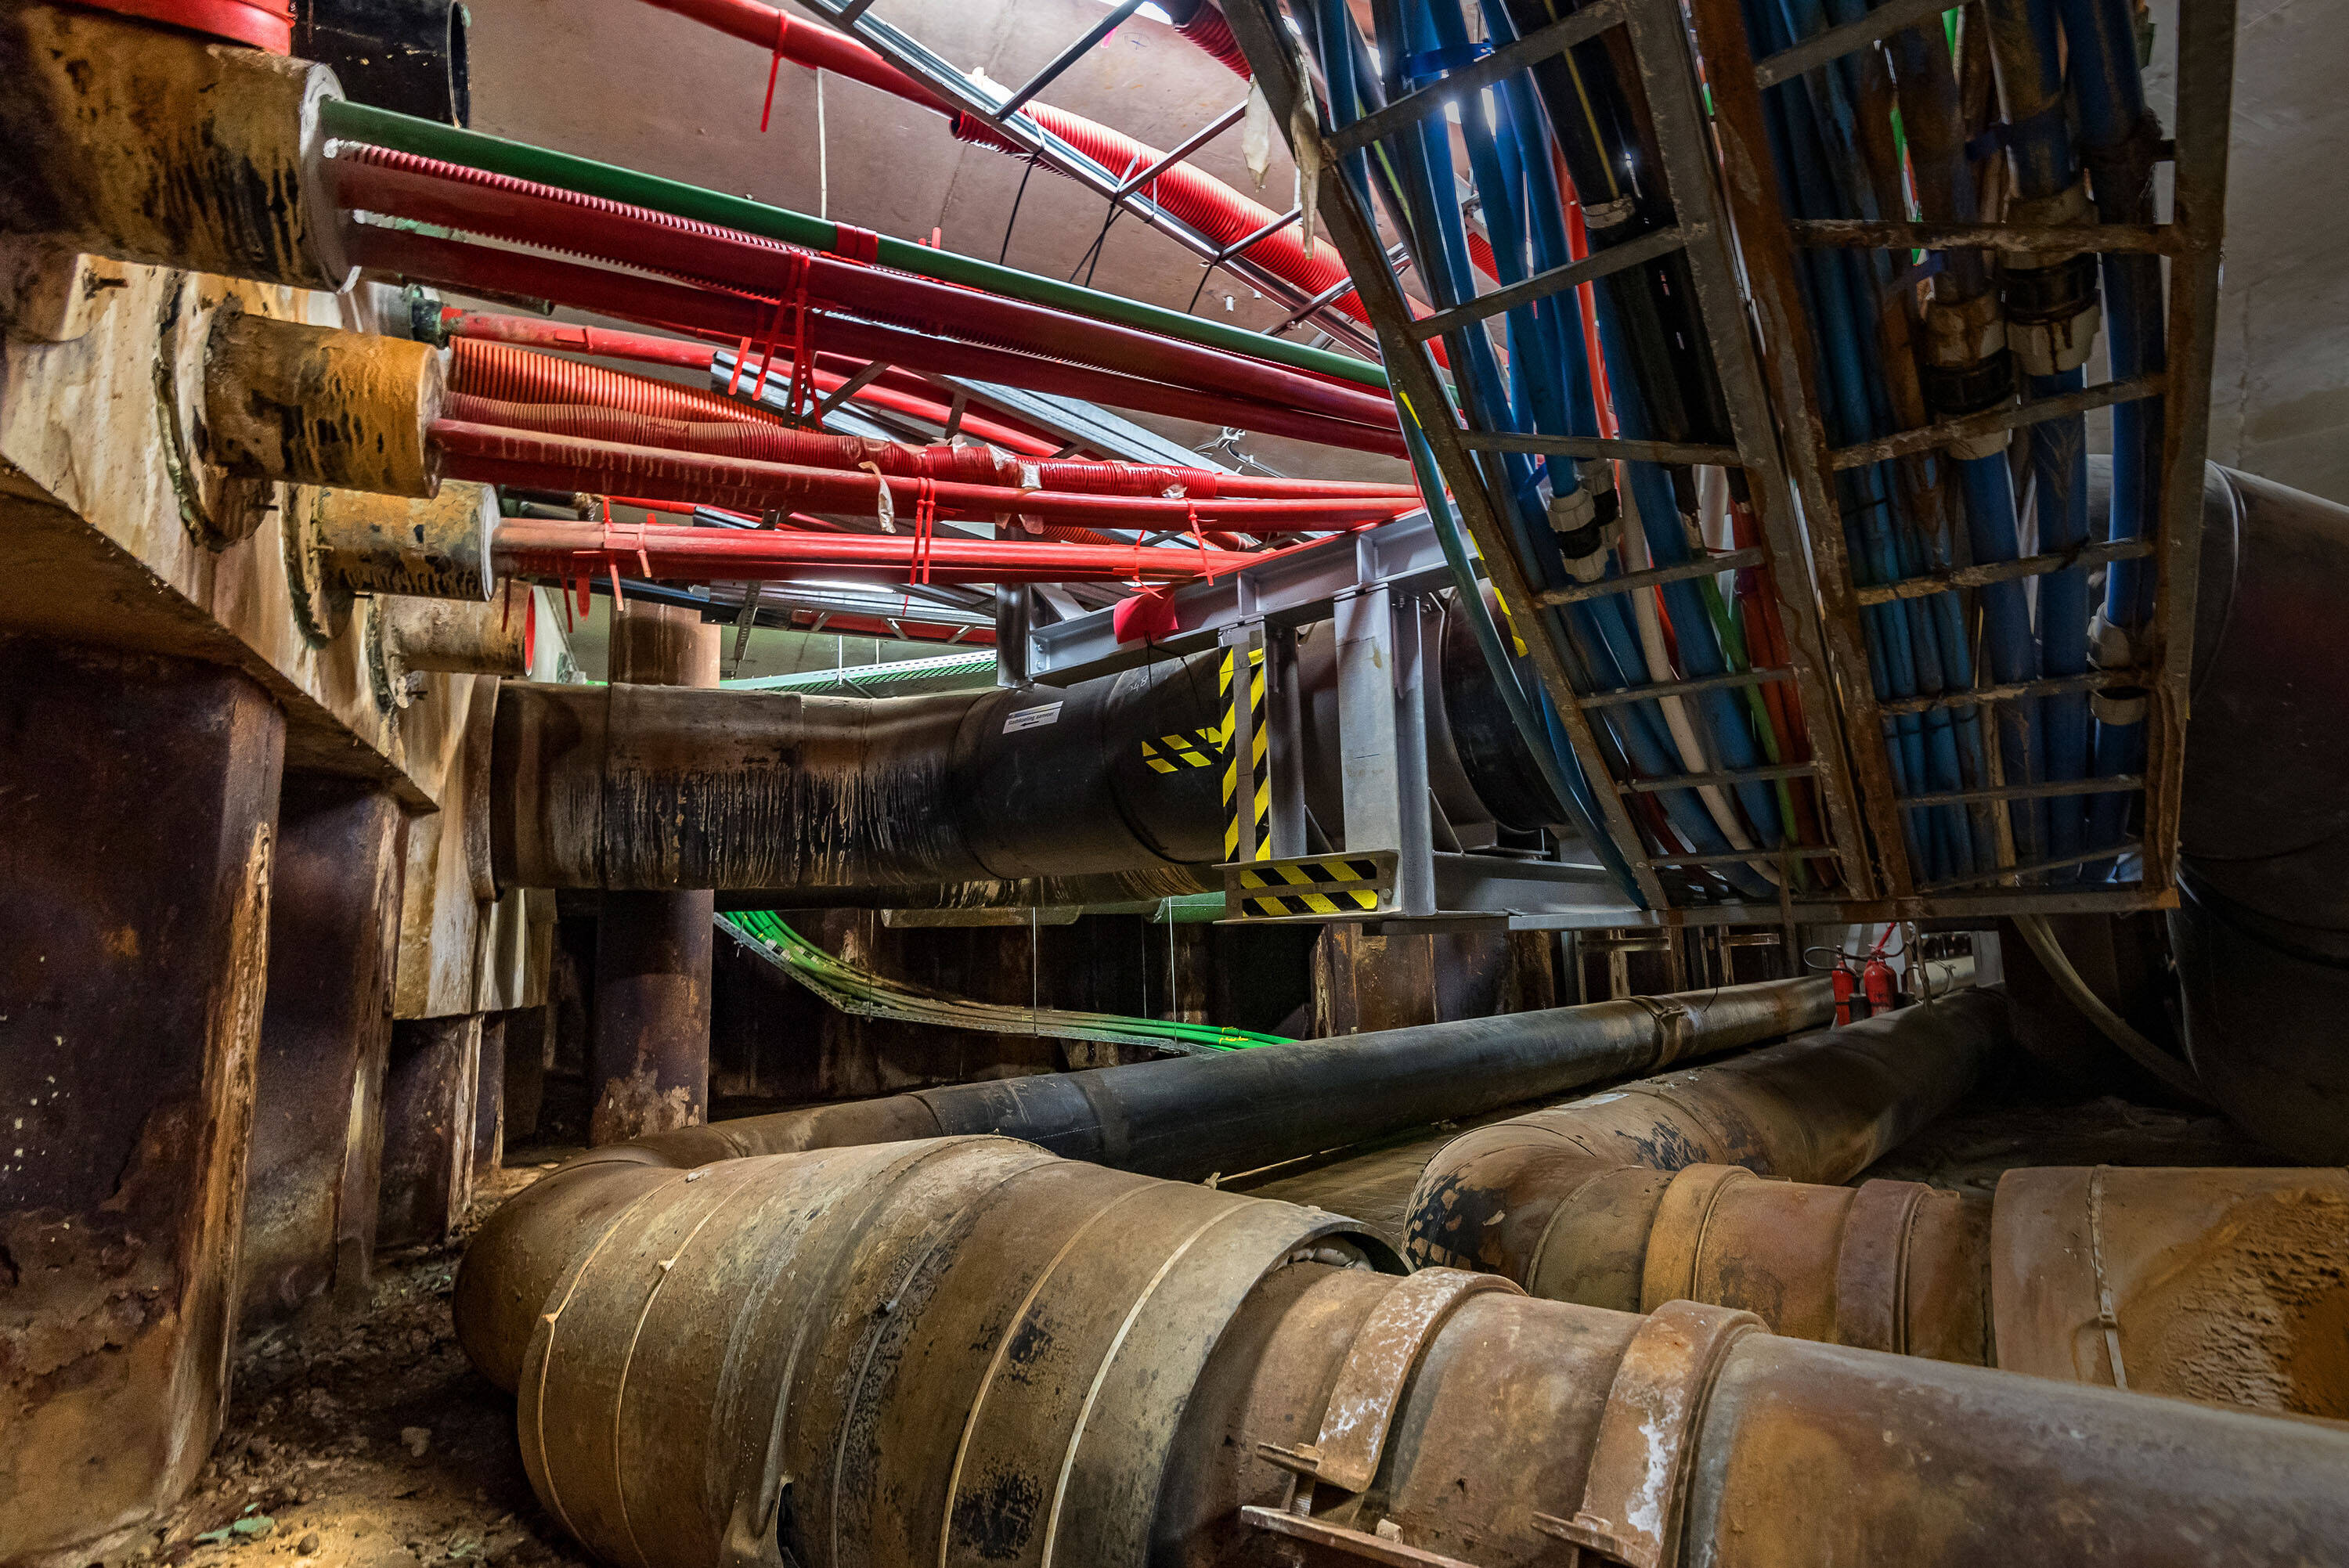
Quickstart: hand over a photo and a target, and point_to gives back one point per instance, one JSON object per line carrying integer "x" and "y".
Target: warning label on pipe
{"x": 1032, "y": 718}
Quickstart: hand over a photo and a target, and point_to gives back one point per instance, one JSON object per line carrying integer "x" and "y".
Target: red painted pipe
{"x": 379, "y": 179}
{"x": 646, "y": 426}
{"x": 643, "y": 348}
{"x": 524, "y": 546}
{"x": 493, "y": 455}
{"x": 479, "y": 268}
{"x": 1197, "y": 198}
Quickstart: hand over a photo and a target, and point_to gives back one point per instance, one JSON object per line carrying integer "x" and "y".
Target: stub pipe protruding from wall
{"x": 967, "y": 1351}
{"x": 142, "y": 142}
{"x": 318, "y": 406}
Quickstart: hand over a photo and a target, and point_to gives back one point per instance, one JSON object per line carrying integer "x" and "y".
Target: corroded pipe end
{"x": 145, "y": 144}
{"x": 315, "y": 405}
{"x": 429, "y": 549}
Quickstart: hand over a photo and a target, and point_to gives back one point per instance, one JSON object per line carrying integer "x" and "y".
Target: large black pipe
{"x": 2262, "y": 935}
{"x": 1106, "y": 790}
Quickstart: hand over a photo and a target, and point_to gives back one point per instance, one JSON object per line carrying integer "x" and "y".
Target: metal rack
{"x": 1655, "y": 33}
{"x": 1768, "y": 240}
{"x": 1794, "y": 494}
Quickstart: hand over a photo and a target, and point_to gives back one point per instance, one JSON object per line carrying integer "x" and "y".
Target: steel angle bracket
{"x": 1310, "y": 887}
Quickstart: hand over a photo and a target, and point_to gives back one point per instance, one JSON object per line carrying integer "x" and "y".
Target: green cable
{"x": 834, "y": 978}
{"x": 428, "y": 138}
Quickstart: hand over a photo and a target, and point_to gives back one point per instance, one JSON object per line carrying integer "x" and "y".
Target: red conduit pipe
{"x": 968, "y": 465}
{"x": 497, "y": 455}
{"x": 426, "y": 190}
{"x": 525, "y": 547}
{"x": 1207, "y": 28}
{"x": 479, "y": 269}
{"x": 1198, "y": 198}
{"x": 645, "y": 348}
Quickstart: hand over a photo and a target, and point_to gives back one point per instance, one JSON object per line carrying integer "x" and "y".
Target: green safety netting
{"x": 855, "y": 989}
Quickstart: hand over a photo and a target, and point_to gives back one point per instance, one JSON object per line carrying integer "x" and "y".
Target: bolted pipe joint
{"x": 317, "y": 406}
{"x": 2053, "y": 310}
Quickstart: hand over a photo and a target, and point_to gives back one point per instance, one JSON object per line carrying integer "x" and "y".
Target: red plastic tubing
{"x": 972, "y": 464}
{"x": 1198, "y": 198}
{"x": 537, "y": 461}
{"x": 402, "y": 184}
{"x": 650, "y": 302}
{"x": 643, "y": 348}
{"x": 568, "y": 551}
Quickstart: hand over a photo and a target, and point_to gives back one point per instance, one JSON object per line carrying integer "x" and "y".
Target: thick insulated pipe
{"x": 2228, "y": 1286}
{"x": 816, "y": 796}
{"x": 2261, "y": 934}
{"x": 1511, "y": 1198}
{"x": 1187, "y": 1119}
{"x": 145, "y": 144}
{"x": 965, "y": 1351}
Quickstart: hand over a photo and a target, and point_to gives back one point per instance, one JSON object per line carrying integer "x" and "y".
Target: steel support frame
{"x": 1768, "y": 240}
{"x": 908, "y": 55}
{"x": 1668, "y": 77}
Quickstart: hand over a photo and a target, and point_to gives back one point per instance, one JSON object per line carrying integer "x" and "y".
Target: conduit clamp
{"x": 1633, "y": 1490}
{"x": 1370, "y": 1383}
{"x": 1675, "y": 1027}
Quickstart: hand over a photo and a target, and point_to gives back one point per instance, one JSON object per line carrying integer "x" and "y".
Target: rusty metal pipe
{"x": 1517, "y": 1197}
{"x": 965, "y": 1351}
{"x": 1188, "y": 1118}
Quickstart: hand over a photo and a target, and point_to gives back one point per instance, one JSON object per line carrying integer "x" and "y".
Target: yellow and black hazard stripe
{"x": 1259, "y": 791}
{"x": 1337, "y": 884}
{"x": 1197, "y": 749}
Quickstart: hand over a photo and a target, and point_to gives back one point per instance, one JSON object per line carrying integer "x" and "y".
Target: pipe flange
{"x": 217, "y": 508}
{"x": 1675, "y": 1027}
{"x": 1637, "y": 1480}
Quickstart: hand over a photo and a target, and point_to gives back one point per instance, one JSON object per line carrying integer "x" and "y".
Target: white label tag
{"x": 1032, "y": 718}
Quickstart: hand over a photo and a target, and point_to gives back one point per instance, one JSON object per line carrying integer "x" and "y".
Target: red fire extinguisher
{"x": 1875, "y": 980}
{"x": 1845, "y": 984}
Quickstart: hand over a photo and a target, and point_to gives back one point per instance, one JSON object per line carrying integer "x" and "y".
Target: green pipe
{"x": 430, "y": 138}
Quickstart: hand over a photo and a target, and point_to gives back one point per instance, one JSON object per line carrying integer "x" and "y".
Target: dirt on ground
{"x": 365, "y": 1440}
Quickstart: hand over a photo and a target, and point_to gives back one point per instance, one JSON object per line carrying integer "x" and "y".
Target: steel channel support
{"x": 1660, "y": 44}
{"x": 1749, "y": 178}
{"x": 1415, "y": 842}
{"x": 1285, "y": 708}
{"x": 2206, "y": 85}
{"x": 1368, "y": 761}
{"x": 1264, "y": 40}
{"x": 1242, "y": 644}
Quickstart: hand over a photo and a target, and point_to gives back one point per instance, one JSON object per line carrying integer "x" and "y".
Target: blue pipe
{"x": 2107, "y": 86}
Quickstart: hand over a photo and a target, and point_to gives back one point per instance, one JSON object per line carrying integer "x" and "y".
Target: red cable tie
{"x": 1191, "y": 515}
{"x": 741, "y": 359}
{"x": 774, "y": 68}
